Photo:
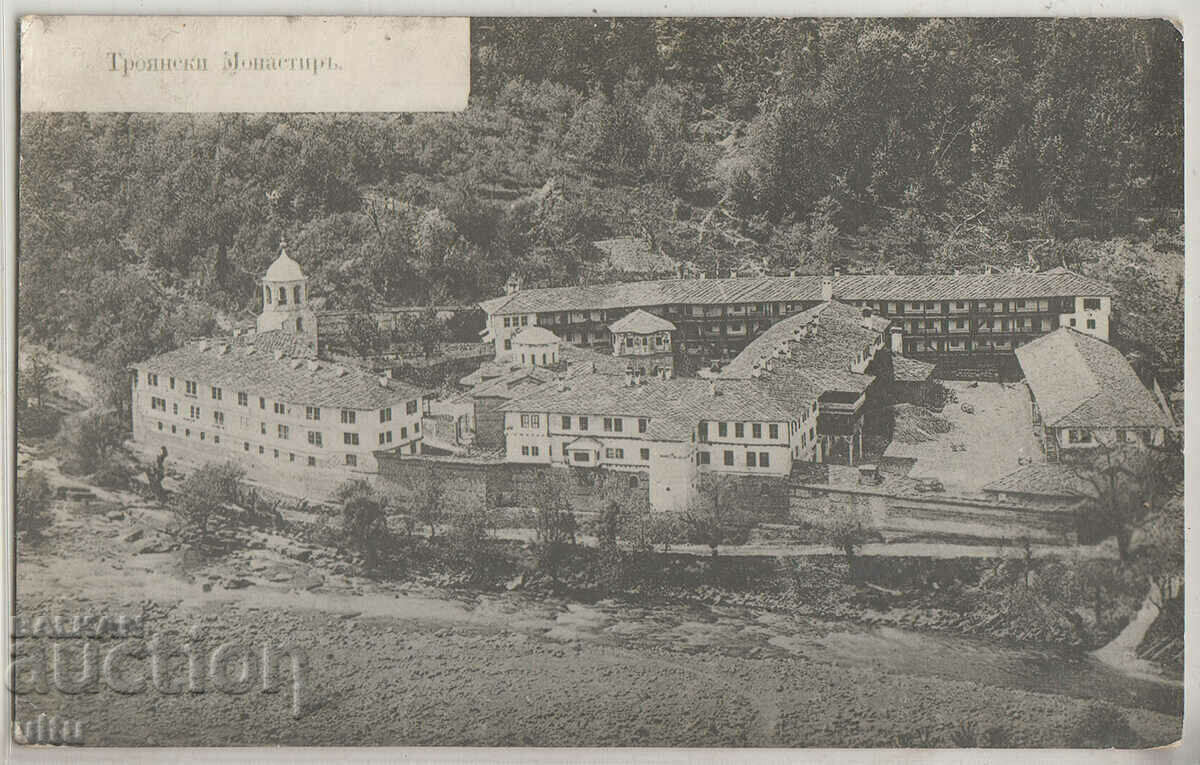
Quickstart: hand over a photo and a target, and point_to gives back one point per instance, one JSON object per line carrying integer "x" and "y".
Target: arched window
{"x": 283, "y": 296}
{"x": 267, "y": 292}
{"x": 296, "y": 294}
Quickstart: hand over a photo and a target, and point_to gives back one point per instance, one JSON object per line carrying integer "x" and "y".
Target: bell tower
{"x": 285, "y": 298}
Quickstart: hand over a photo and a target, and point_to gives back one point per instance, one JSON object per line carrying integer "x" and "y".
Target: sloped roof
{"x": 1049, "y": 480}
{"x": 817, "y": 364}
{"x": 290, "y": 344}
{"x": 801, "y": 288}
{"x": 908, "y": 369}
{"x": 641, "y": 322}
{"x": 284, "y": 269}
{"x": 674, "y": 407}
{"x": 295, "y": 380}
{"x": 1081, "y": 381}
{"x": 535, "y": 336}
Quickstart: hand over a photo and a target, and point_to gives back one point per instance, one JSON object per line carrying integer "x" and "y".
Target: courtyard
{"x": 990, "y": 430}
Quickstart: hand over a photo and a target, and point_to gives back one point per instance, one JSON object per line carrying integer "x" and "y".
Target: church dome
{"x": 284, "y": 269}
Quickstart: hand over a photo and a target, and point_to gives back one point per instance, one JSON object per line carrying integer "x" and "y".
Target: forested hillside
{"x": 755, "y": 145}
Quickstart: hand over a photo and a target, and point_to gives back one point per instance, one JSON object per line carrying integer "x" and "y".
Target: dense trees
{"x": 902, "y": 144}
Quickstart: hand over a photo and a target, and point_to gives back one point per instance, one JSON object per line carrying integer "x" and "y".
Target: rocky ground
{"x": 404, "y": 664}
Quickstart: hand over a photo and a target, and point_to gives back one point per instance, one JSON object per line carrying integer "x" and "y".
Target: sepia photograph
{"x": 701, "y": 382}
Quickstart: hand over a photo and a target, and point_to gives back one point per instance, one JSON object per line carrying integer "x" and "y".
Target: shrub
{"x": 113, "y": 474}
{"x": 204, "y": 500}
{"x": 89, "y": 443}
{"x": 37, "y": 422}
{"x": 364, "y": 520}
{"x": 33, "y": 504}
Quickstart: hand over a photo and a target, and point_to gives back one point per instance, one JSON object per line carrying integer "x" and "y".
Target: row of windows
{"x": 516, "y": 321}
{"x": 753, "y": 459}
{"x": 282, "y": 431}
{"x": 349, "y": 416}
{"x": 283, "y": 295}
{"x": 739, "y": 430}
{"x": 350, "y": 460}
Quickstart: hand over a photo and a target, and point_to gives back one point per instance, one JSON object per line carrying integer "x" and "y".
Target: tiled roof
{"x": 634, "y": 255}
{"x": 1081, "y": 381}
{"x": 642, "y": 323}
{"x": 674, "y": 407}
{"x": 304, "y": 381}
{"x": 1050, "y": 480}
{"x": 535, "y": 336}
{"x": 818, "y": 363}
{"x": 805, "y": 288}
{"x": 908, "y": 369}
{"x": 291, "y": 345}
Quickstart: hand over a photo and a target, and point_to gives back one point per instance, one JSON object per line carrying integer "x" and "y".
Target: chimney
{"x": 837, "y": 271}
{"x": 703, "y": 275}
{"x": 562, "y": 384}
{"x": 712, "y": 387}
{"x": 593, "y": 367}
{"x": 897, "y": 341}
{"x": 792, "y": 273}
{"x": 827, "y": 289}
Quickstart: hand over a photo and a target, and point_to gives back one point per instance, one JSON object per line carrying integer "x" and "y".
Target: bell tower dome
{"x": 285, "y": 297}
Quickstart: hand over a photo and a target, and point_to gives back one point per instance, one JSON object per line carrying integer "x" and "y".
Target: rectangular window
{"x": 262, "y": 428}
{"x": 314, "y": 438}
{"x": 216, "y": 439}
{"x": 739, "y": 430}
{"x": 284, "y": 432}
{"x": 262, "y": 403}
{"x": 533, "y": 450}
{"x": 216, "y": 393}
{"x": 385, "y": 415}
{"x": 751, "y": 459}
{"x": 189, "y": 387}
{"x": 243, "y": 399}
{"x": 275, "y": 453}
{"x": 351, "y": 460}
{"x": 195, "y": 412}
{"x": 280, "y": 408}
{"x": 312, "y": 413}
{"x": 312, "y": 461}
{"x": 171, "y": 382}
{"x": 348, "y": 416}
{"x": 151, "y": 379}
{"x": 566, "y": 422}
{"x": 583, "y": 423}
{"x": 773, "y": 431}
{"x": 245, "y": 446}
{"x": 703, "y": 431}
{"x": 1091, "y": 304}
{"x": 350, "y": 439}
{"x": 291, "y": 457}
{"x": 530, "y": 420}
{"x": 643, "y": 423}
{"x": 410, "y": 407}
{"x": 1091, "y": 323}
{"x": 756, "y": 430}
{"x": 608, "y": 424}
{"x": 403, "y": 432}
{"x": 524, "y": 451}
{"x": 645, "y": 455}
{"x": 218, "y": 418}
{"x": 764, "y": 459}
{"x": 508, "y": 345}
{"x": 507, "y": 321}
{"x": 703, "y": 458}
{"x": 729, "y": 457}
{"x": 202, "y": 435}
{"x": 722, "y": 429}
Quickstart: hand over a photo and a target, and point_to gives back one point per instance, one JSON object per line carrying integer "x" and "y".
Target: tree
{"x": 362, "y": 334}
{"x": 93, "y": 439}
{"x": 1162, "y": 549}
{"x": 428, "y": 498}
{"x": 35, "y": 378}
{"x": 33, "y": 504}
{"x": 554, "y": 524}
{"x": 424, "y": 329}
{"x": 848, "y": 534}
{"x": 713, "y": 517}
{"x": 206, "y": 498}
{"x": 364, "y": 519}
{"x": 157, "y": 473}
{"x": 1121, "y": 488}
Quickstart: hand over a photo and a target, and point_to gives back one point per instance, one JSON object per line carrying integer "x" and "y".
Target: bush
{"x": 89, "y": 443}
{"x": 1101, "y": 725}
{"x": 33, "y": 504}
{"x": 113, "y": 474}
{"x": 364, "y": 520}
{"x": 37, "y": 422}
{"x": 203, "y": 502}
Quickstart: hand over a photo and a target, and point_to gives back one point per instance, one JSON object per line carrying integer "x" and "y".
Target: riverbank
{"x": 406, "y": 663}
